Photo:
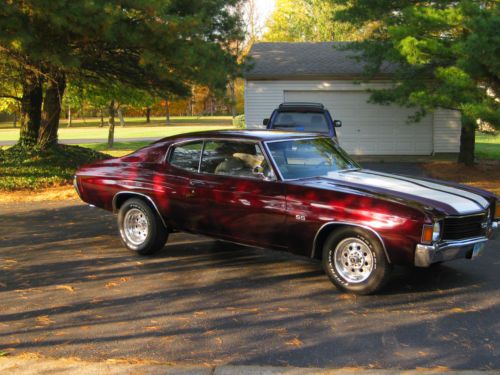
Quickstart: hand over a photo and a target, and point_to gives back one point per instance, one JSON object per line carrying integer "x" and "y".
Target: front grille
{"x": 458, "y": 228}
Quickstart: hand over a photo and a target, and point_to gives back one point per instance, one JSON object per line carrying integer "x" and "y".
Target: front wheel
{"x": 355, "y": 261}
{"x": 141, "y": 229}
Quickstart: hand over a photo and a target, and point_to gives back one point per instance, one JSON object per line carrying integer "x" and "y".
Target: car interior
{"x": 223, "y": 158}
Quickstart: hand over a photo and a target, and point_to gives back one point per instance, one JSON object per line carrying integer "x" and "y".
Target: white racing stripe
{"x": 463, "y": 202}
{"x": 483, "y": 203}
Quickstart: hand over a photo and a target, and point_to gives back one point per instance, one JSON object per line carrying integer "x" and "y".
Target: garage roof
{"x": 325, "y": 60}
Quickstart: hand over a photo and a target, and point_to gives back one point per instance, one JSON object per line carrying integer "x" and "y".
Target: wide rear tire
{"x": 141, "y": 229}
{"x": 355, "y": 261}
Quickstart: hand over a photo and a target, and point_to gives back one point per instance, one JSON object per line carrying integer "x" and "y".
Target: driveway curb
{"x": 16, "y": 365}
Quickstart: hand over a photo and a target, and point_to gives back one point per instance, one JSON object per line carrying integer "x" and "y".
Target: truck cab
{"x": 306, "y": 117}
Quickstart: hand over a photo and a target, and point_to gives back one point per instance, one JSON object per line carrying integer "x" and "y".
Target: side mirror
{"x": 337, "y": 123}
{"x": 265, "y": 122}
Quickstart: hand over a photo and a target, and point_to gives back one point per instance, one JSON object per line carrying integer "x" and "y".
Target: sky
{"x": 264, "y": 10}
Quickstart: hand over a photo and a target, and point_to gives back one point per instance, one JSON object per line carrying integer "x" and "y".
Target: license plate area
{"x": 478, "y": 249}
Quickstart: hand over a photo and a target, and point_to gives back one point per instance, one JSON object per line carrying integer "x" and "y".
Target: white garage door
{"x": 371, "y": 129}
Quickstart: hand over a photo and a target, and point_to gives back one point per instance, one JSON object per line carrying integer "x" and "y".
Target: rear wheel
{"x": 355, "y": 261}
{"x": 141, "y": 229}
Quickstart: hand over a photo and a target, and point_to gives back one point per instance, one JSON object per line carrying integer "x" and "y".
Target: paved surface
{"x": 68, "y": 288}
{"x": 90, "y": 140}
{"x": 28, "y": 366}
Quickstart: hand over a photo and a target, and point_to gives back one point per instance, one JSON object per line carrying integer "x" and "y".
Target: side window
{"x": 187, "y": 156}
{"x": 232, "y": 158}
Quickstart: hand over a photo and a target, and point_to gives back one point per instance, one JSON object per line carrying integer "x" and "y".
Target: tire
{"x": 141, "y": 229}
{"x": 355, "y": 261}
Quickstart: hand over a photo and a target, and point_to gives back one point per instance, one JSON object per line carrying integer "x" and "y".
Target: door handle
{"x": 195, "y": 183}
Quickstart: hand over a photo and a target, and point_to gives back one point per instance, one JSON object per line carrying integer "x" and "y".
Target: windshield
{"x": 302, "y": 121}
{"x": 305, "y": 158}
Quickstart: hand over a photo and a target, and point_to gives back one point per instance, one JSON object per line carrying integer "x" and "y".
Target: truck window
{"x": 301, "y": 121}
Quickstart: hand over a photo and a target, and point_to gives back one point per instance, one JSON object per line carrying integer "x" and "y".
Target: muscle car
{"x": 292, "y": 191}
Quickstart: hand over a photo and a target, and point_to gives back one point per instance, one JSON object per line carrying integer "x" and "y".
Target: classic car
{"x": 292, "y": 191}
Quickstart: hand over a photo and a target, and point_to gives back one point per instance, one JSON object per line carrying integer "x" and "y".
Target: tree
{"x": 308, "y": 21}
{"x": 156, "y": 46}
{"x": 446, "y": 54}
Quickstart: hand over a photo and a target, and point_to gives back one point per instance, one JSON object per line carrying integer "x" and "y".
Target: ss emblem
{"x": 300, "y": 217}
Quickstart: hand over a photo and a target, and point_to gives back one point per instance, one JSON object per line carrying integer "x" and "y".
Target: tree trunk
{"x": 120, "y": 116}
{"x": 70, "y": 120}
{"x": 31, "y": 110}
{"x": 14, "y": 123}
{"x": 467, "y": 141}
{"x": 47, "y": 136}
{"x": 148, "y": 115}
{"x": 111, "y": 121}
{"x": 167, "y": 111}
{"x": 101, "y": 115}
{"x": 232, "y": 93}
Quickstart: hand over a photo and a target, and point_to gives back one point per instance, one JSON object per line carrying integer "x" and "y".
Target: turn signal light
{"x": 497, "y": 211}
{"x": 427, "y": 234}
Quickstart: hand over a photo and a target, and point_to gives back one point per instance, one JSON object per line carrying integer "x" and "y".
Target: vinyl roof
{"x": 325, "y": 60}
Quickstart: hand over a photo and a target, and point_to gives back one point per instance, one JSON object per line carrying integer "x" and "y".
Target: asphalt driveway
{"x": 68, "y": 288}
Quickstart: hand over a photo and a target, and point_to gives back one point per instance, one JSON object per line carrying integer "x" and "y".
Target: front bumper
{"x": 425, "y": 255}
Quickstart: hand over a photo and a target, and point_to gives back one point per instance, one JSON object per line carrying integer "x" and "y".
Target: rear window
{"x": 187, "y": 156}
{"x": 301, "y": 121}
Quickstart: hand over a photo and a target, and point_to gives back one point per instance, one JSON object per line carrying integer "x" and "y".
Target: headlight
{"x": 431, "y": 233}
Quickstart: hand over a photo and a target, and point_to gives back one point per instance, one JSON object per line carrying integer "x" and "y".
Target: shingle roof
{"x": 303, "y": 60}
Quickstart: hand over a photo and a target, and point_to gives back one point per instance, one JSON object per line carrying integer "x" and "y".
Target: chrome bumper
{"x": 425, "y": 255}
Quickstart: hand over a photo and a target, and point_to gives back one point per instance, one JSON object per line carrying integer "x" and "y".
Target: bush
{"x": 23, "y": 168}
{"x": 239, "y": 122}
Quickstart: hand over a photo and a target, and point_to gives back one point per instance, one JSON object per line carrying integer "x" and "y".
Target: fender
{"x": 313, "y": 252}
{"x": 149, "y": 199}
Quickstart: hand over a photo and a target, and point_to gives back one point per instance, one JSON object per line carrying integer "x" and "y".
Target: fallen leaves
{"x": 113, "y": 284}
{"x": 44, "y": 320}
{"x": 67, "y": 288}
{"x": 152, "y": 328}
{"x": 295, "y": 342}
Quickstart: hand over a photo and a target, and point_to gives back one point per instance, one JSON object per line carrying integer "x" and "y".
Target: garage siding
{"x": 447, "y": 128}
{"x": 391, "y": 135}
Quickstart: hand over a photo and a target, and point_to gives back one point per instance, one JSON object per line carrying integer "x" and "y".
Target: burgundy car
{"x": 290, "y": 191}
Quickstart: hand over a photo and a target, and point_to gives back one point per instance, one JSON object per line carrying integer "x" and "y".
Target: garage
{"x": 369, "y": 129}
{"x": 323, "y": 73}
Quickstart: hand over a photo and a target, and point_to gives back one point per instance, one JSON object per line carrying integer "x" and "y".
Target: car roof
{"x": 254, "y": 135}
{"x": 301, "y": 107}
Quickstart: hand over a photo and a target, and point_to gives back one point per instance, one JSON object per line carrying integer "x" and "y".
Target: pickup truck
{"x": 303, "y": 117}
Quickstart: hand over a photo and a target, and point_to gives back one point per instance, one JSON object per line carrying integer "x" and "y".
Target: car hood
{"x": 449, "y": 199}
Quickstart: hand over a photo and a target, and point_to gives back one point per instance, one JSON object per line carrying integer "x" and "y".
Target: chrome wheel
{"x": 354, "y": 260}
{"x": 135, "y": 226}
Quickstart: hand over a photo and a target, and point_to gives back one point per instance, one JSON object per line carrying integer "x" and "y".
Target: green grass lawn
{"x": 134, "y": 128}
{"x": 488, "y": 146}
{"x": 22, "y": 170}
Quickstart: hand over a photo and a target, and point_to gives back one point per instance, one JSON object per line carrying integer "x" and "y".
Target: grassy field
{"x": 134, "y": 128}
{"x": 488, "y": 146}
{"x": 20, "y": 170}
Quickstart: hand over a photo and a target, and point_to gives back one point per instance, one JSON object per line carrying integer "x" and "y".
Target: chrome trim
{"x": 75, "y": 185}
{"x": 425, "y": 255}
{"x": 313, "y": 252}
{"x": 141, "y": 195}
{"x": 277, "y": 171}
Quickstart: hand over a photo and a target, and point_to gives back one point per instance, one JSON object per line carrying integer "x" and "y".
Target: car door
{"x": 247, "y": 203}
{"x": 186, "y": 194}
